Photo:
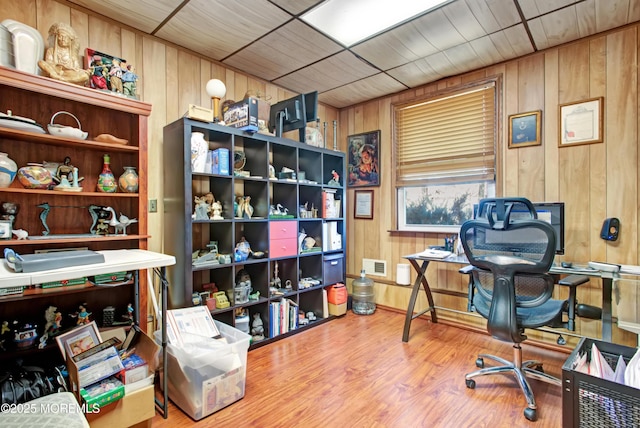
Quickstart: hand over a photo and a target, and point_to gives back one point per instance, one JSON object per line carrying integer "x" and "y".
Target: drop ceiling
{"x": 267, "y": 39}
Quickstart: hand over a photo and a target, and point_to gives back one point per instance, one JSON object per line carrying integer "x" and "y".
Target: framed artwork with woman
{"x": 364, "y": 166}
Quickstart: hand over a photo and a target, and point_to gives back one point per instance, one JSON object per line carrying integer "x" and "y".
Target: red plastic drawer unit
{"x": 283, "y": 238}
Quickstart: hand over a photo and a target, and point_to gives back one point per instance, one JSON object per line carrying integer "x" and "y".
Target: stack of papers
{"x": 435, "y": 254}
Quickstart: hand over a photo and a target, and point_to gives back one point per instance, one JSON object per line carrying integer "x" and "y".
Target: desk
{"x": 420, "y": 264}
{"x": 114, "y": 261}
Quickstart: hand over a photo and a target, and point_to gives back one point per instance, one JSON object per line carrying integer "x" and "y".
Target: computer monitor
{"x": 551, "y": 212}
{"x": 288, "y": 115}
{"x": 311, "y": 106}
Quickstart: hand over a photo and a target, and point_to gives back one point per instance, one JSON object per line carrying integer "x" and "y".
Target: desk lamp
{"x": 216, "y": 90}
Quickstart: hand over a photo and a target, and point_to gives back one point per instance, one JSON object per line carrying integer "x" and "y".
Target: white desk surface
{"x": 114, "y": 261}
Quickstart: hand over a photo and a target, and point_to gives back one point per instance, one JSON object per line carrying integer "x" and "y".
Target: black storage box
{"x": 333, "y": 269}
{"x": 588, "y": 401}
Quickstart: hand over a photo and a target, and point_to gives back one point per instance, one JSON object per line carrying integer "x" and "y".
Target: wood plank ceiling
{"x": 267, "y": 39}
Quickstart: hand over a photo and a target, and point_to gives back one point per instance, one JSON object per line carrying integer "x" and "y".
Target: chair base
{"x": 521, "y": 371}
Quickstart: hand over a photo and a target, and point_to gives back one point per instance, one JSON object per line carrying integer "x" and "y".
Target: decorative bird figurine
{"x": 125, "y": 222}
{"x": 119, "y": 223}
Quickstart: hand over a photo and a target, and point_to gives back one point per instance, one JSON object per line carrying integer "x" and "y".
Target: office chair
{"x": 512, "y": 287}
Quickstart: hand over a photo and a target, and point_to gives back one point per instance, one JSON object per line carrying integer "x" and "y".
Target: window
{"x": 445, "y": 157}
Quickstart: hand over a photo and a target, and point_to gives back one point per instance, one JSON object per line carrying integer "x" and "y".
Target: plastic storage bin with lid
{"x": 207, "y": 375}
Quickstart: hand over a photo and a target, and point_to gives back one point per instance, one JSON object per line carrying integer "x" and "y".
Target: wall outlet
{"x": 153, "y": 205}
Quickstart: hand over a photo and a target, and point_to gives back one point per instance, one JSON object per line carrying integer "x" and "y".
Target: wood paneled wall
{"x": 595, "y": 181}
{"x": 171, "y": 77}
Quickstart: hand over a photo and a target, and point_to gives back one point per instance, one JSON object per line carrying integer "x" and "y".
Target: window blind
{"x": 446, "y": 140}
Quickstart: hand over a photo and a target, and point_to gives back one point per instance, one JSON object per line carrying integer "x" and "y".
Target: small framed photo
{"x": 363, "y": 166}
{"x": 5, "y": 229}
{"x": 363, "y": 207}
{"x": 524, "y": 129}
{"x": 581, "y": 122}
{"x": 79, "y": 339}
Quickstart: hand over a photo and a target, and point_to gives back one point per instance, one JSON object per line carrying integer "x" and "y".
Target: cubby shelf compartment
{"x": 275, "y": 236}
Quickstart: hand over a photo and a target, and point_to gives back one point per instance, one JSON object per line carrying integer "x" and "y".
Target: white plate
{"x": 10, "y": 116}
{"x": 20, "y": 125}
{"x": 28, "y": 46}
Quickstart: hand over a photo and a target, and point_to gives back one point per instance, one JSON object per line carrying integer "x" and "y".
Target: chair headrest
{"x": 497, "y": 211}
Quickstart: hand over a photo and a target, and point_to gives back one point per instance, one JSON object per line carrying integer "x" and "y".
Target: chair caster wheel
{"x": 531, "y": 414}
{"x": 561, "y": 340}
{"x": 471, "y": 384}
{"x": 480, "y": 363}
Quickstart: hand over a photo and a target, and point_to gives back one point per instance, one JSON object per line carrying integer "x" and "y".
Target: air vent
{"x": 374, "y": 267}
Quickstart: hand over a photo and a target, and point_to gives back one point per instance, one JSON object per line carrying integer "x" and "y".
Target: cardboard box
{"x": 337, "y": 310}
{"x": 242, "y": 115}
{"x": 145, "y": 347}
{"x": 133, "y": 409}
{"x": 220, "y": 161}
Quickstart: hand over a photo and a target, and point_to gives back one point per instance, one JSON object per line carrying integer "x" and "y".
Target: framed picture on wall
{"x": 524, "y": 129}
{"x": 363, "y": 167}
{"x": 580, "y": 122}
{"x": 363, "y": 207}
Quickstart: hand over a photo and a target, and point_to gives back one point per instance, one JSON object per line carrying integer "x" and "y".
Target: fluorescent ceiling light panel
{"x": 350, "y": 21}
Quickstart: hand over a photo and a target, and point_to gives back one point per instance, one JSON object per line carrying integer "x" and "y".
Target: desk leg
{"x": 421, "y": 279}
{"x": 607, "y": 289}
{"x": 164, "y": 285}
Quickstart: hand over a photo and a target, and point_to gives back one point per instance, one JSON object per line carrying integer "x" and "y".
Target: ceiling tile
{"x": 436, "y": 28}
{"x": 362, "y": 90}
{"x": 415, "y": 73}
{"x": 463, "y": 19}
{"x": 217, "y": 28}
{"x": 287, "y": 49}
{"x": 296, "y": 7}
{"x": 502, "y": 40}
{"x": 505, "y": 12}
{"x": 483, "y": 14}
{"x": 144, "y": 15}
{"x": 396, "y": 47}
{"x": 329, "y": 73}
{"x": 557, "y": 28}
{"x": 535, "y": 8}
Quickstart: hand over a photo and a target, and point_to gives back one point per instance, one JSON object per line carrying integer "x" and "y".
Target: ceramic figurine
{"x": 120, "y": 223}
{"x": 54, "y": 321}
{"x": 257, "y": 327}
{"x": 62, "y": 57}
{"x": 335, "y": 179}
{"x": 201, "y": 211}
{"x": 82, "y": 316}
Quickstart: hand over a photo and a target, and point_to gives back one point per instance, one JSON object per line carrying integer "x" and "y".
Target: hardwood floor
{"x": 355, "y": 371}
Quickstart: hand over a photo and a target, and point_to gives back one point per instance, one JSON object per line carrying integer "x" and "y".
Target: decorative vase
{"x": 34, "y": 176}
{"x": 128, "y": 181}
{"x": 199, "y": 151}
{"x": 8, "y": 169}
{"x": 106, "y": 181}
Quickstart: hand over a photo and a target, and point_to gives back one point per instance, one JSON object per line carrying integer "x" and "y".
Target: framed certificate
{"x": 580, "y": 122}
{"x": 363, "y": 207}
